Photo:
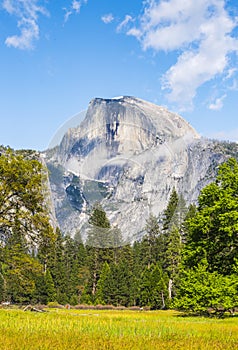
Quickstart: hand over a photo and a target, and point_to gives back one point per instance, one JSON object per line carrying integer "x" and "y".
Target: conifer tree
{"x": 20, "y": 274}
{"x": 99, "y": 245}
{"x": 150, "y": 244}
{"x": 191, "y": 212}
{"x": 153, "y": 288}
{"x": 103, "y": 294}
{"x": 49, "y": 287}
{"x": 57, "y": 268}
{"x": 124, "y": 283}
{"x": 173, "y": 259}
{"x": 170, "y": 211}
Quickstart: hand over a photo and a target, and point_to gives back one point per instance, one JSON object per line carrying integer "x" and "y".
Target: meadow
{"x": 114, "y": 330}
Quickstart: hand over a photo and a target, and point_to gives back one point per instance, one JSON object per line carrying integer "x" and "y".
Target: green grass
{"x": 114, "y": 330}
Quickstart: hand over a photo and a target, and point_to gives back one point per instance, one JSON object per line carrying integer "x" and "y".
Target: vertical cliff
{"x": 128, "y": 154}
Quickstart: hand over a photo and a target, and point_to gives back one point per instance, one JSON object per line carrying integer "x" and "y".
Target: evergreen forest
{"x": 187, "y": 259}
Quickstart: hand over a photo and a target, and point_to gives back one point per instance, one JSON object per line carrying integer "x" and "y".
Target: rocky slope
{"x": 128, "y": 154}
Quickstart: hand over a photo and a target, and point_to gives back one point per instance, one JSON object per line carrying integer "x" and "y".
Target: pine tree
{"x": 74, "y": 260}
{"x": 117, "y": 243}
{"x": 173, "y": 259}
{"x": 99, "y": 235}
{"x": 49, "y": 287}
{"x": 103, "y": 294}
{"x": 153, "y": 288}
{"x": 131, "y": 257}
{"x": 170, "y": 212}
{"x": 57, "y": 268}
{"x": 124, "y": 280}
{"x": 191, "y": 212}
{"x": 20, "y": 274}
{"x": 150, "y": 244}
{"x": 180, "y": 215}
{"x": 170, "y": 218}
{"x": 99, "y": 245}
{"x": 171, "y": 240}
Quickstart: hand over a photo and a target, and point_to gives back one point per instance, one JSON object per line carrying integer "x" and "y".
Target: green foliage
{"x": 191, "y": 262}
{"x": 153, "y": 288}
{"x": 201, "y": 290}
{"x": 22, "y": 205}
{"x": 20, "y": 274}
{"x": 121, "y": 283}
{"x": 151, "y": 242}
{"x": 173, "y": 252}
{"x": 2, "y": 288}
{"x": 24, "y": 224}
{"x": 99, "y": 245}
{"x": 169, "y": 213}
{"x": 213, "y": 230}
{"x": 49, "y": 287}
{"x": 98, "y": 217}
{"x": 103, "y": 285}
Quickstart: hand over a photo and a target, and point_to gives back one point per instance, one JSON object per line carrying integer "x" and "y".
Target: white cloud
{"x": 124, "y": 23}
{"x": 29, "y": 33}
{"x": 217, "y": 104}
{"x": 108, "y": 18}
{"x": 234, "y": 85}
{"x": 8, "y": 6}
{"x": 198, "y": 32}
{"x": 75, "y": 7}
{"x": 135, "y": 32}
{"x": 27, "y": 13}
{"x": 230, "y": 73}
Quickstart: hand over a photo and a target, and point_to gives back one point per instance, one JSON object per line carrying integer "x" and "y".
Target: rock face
{"x": 128, "y": 154}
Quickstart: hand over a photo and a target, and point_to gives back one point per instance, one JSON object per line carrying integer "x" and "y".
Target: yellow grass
{"x": 114, "y": 330}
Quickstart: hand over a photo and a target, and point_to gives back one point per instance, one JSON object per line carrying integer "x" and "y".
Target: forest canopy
{"x": 188, "y": 260}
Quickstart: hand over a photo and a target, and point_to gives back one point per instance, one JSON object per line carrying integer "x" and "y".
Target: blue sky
{"x": 55, "y": 56}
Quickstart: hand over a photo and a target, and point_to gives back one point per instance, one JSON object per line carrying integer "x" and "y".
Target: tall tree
{"x": 169, "y": 214}
{"x": 169, "y": 220}
{"x": 20, "y": 272}
{"x": 201, "y": 291}
{"x": 121, "y": 283}
{"x": 213, "y": 230}
{"x": 49, "y": 287}
{"x": 22, "y": 202}
{"x": 103, "y": 294}
{"x": 150, "y": 244}
{"x": 173, "y": 259}
{"x": 153, "y": 288}
{"x": 99, "y": 244}
{"x": 191, "y": 212}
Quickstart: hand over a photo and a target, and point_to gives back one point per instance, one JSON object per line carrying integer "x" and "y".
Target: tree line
{"x": 187, "y": 259}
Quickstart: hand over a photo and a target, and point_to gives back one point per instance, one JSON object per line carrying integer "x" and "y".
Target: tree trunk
{"x": 170, "y": 288}
{"x": 163, "y": 302}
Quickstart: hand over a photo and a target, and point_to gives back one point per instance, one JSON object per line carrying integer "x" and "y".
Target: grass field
{"x": 114, "y": 330}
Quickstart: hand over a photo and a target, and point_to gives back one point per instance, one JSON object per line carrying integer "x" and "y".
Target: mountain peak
{"x": 130, "y": 110}
{"x": 128, "y": 154}
{"x": 113, "y": 99}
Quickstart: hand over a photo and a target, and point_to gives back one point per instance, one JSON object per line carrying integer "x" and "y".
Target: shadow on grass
{"x": 207, "y": 314}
